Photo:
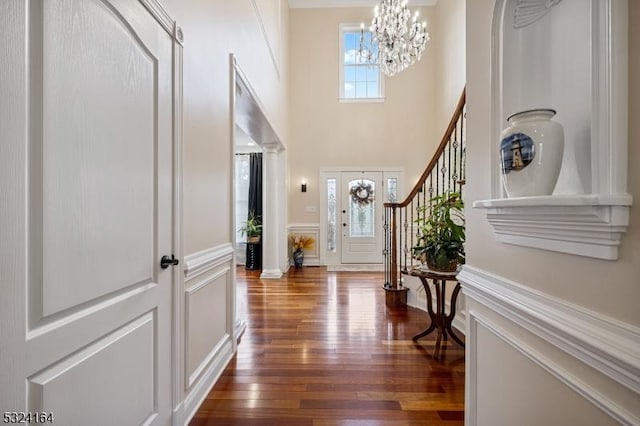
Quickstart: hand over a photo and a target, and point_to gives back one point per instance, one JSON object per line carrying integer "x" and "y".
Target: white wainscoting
{"x": 198, "y": 263}
{"x": 311, "y": 256}
{"x": 209, "y": 324}
{"x": 608, "y": 346}
{"x": 206, "y": 325}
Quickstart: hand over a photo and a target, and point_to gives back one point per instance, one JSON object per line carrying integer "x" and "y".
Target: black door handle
{"x": 167, "y": 261}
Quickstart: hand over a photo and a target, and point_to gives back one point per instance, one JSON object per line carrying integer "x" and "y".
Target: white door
{"x": 87, "y": 186}
{"x": 362, "y": 203}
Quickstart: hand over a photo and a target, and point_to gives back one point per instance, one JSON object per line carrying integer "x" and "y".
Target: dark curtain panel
{"x": 254, "y": 251}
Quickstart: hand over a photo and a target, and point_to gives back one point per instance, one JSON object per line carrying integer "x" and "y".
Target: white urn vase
{"x": 531, "y": 150}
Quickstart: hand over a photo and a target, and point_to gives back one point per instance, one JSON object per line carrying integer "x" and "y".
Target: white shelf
{"x": 585, "y": 225}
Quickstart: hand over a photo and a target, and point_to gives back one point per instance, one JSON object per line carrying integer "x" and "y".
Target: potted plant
{"x": 252, "y": 228}
{"x": 298, "y": 244}
{"x": 442, "y": 233}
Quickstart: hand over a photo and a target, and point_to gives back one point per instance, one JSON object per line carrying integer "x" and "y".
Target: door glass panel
{"x": 331, "y": 215}
{"x": 392, "y": 190}
{"x": 362, "y": 208}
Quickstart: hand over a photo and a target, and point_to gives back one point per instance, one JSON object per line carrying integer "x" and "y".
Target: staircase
{"x": 444, "y": 173}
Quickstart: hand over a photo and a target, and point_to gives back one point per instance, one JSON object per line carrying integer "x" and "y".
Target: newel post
{"x": 394, "y": 251}
{"x": 395, "y": 294}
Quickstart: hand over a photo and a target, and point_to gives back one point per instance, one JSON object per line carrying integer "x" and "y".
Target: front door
{"x": 362, "y": 202}
{"x": 87, "y": 128}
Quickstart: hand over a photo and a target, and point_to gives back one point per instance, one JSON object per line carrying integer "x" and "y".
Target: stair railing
{"x": 444, "y": 173}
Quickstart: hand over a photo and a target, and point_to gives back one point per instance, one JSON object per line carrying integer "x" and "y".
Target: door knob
{"x": 167, "y": 261}
{"x": 344, "y": 224}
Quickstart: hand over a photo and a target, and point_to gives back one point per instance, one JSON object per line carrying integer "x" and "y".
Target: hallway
{"x": 321, "y": 349}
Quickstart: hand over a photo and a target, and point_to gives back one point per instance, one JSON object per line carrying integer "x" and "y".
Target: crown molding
{"x": 308, "y": 4}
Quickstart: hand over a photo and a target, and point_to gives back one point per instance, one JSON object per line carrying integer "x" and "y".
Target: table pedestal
{"x": 440, "y": 321}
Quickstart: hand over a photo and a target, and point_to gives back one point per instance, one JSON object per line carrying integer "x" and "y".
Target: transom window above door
{"x": 360, "y": 78}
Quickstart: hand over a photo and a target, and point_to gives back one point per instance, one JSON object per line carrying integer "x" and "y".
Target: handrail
{"x": 444, "y": 173}
{"x": 443, "y": 144}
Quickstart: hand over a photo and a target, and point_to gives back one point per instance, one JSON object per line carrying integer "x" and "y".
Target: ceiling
{"x": 350, "y": 3}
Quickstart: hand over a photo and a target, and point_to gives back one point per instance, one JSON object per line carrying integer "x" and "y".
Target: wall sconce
{"x": 303, "y": 187}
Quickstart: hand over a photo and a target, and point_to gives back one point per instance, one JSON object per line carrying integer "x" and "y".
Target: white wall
{"x": 212, "y": 30}
{"x": 449, "y": 43}
{"x": 255, "y": 31}
{"x": 556, "y": 298}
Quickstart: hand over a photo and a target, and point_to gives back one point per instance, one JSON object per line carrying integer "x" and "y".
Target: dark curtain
{"x": 254, "y": 251}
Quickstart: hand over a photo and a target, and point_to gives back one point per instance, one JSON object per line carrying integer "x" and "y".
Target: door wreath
{"x": 362, "y": 194}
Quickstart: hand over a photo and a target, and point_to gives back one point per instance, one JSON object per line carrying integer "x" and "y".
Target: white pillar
{"x": 270, "y": 222}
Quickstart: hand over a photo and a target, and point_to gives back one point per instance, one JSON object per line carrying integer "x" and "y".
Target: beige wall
{"x": 449, "y": 43}
{"x": 324, "y": 132}
{"x": 507, "y": 361}
{"x": 212, "y": 30}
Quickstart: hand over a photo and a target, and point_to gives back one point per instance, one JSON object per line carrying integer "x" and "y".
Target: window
{"x": 242, "y": 194}
{"x": 362, "y": 215}
{"x": 332, "y": 210}
{"x": 359, "y": 79}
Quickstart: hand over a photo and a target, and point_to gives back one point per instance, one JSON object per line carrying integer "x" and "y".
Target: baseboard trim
{"x": 239, "y": 329}
{"x": 271, "y": 274}
{"x": 185, "y": 411}
{"x": 607, "y": 345}
{"x": 356, "y": 267}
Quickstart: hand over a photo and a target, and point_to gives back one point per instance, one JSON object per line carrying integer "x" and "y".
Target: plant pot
{"x": 528, "y": 169}
{"x": 452, "y": 266}
{"x": 254, "y": 239}
{"x": 298, "y": 258}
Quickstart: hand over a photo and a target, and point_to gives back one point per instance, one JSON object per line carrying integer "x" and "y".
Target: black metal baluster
{"x": 449, "y": 165}
{"x": 456, "y": 172}
{"x": 406, "y": 237}
{"x": 411, "y": 232}
{"x": 462, "y": 150}
{"x": 437, "y": 178}
{"x": 385, "y": 247}
{"x": 432, "y": 187}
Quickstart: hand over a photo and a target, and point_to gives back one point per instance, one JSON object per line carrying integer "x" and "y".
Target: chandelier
{"x": 401, "y": 39}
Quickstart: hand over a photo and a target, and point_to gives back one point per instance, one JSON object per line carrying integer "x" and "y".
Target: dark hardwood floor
{"x": 321, "y": 349}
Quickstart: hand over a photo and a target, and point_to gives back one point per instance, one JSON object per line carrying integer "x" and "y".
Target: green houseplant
{"x": 252, "y": 228}
{"x": 442, "y": 232}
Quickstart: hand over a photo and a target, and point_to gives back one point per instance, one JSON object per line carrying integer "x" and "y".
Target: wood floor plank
{"x": 322, "y": 349}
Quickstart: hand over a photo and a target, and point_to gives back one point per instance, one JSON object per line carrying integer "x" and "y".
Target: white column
{"x": 270, "y": 197}
{"x": 283, "y": 217}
